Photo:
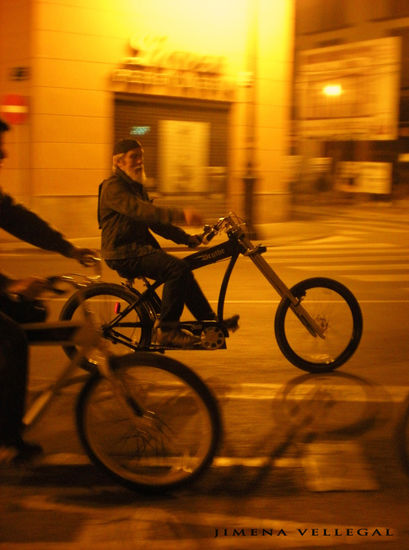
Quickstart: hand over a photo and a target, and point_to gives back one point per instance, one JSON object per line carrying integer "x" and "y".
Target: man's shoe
{"x": 19, "y": 452}
{"x": 232, "y": 323}
{"x": 176, "y": 337}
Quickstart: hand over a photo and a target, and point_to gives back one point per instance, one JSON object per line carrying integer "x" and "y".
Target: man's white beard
{"x": 139, "y": 176}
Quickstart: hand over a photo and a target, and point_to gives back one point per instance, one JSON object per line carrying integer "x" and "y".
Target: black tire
{"x": 170, "y": 447}
{"x": 332, "y": 305}
{"x": 103, "y": 300}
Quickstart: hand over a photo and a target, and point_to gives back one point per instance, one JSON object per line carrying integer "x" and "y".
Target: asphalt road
{"x": 308, "y": 484}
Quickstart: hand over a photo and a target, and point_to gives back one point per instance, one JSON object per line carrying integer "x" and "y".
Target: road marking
{"x": 384, "y": 301}
{"x": 379, "y": 278}
{"x": 278, "y": 300}
{"x": 335, "y": 246}
{"x": 349, "y": 258}
{"x": 255, "y": 462}
{"x": 18, "y": 254}
{"x": 79, "y": 459}
{"x": 350, "y": 392}
{"x": 364, "y": 301}
{"x": 330, "y": 252}
{"x": 368, "y": 225}
{"x": 353, "y": 267}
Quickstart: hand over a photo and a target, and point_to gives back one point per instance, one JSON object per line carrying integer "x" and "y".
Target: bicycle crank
{"x": 212, "y": 338}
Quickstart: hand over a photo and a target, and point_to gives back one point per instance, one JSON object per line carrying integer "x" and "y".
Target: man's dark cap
{"x": 126, "y": 145}
{"x": 4, "y": 126}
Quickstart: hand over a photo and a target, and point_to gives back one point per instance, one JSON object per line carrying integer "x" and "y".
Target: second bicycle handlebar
{"x": 76, "y": 280}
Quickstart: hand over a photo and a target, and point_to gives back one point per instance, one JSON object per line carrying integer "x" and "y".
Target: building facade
{"x": 351, "y": 99}
{"x": 205, "y": 86}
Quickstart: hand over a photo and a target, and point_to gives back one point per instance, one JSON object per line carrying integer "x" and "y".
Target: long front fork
{"x": 254, "y": 254}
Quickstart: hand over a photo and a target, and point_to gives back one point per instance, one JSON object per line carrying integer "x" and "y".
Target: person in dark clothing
{"x": 127, "y": 216}
{"x": 27, "y": 226}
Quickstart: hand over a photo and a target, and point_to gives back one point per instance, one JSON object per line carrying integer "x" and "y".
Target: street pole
{"x": 250, "y": 176}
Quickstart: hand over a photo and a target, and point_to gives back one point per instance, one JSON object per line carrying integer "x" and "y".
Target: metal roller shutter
{"x": 140, "y": 115}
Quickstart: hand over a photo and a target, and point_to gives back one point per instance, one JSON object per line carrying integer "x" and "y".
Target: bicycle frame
{"x": 126, "y": 418}
{"x": 237, "y": 244}
{"x": 86, "y": 337}
{"x": 56, "y": 333}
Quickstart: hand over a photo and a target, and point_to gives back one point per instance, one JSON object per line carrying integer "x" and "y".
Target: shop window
{"x": 163, "y": 124}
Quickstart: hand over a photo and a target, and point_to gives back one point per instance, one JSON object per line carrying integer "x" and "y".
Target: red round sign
{"x": 14, "y": 108}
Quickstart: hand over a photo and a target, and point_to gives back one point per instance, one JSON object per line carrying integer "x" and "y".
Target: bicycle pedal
{"x": 232, "y": 323}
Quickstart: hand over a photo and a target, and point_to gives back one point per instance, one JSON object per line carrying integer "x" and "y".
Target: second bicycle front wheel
{"x": 164, "y": 435}
{"x": 336, "y": 310}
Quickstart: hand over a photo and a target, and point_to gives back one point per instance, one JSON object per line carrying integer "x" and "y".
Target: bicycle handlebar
{"x": 76, "y": 280}
{"x": 231, "y": 221}
{"x": 208, "y": 234}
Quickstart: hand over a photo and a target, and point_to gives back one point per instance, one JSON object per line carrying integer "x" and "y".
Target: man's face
{"x": 2, "y": 151}
{"x": 132, "y": 164}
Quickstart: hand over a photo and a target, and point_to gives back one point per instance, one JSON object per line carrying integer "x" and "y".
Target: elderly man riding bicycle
{"x": 126, "y": 216}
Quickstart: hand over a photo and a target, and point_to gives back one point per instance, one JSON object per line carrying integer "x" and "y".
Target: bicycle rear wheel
{"x": 106, "y": 302}
{"x": 335, "y": 309}
{"x": 171, "y": 434}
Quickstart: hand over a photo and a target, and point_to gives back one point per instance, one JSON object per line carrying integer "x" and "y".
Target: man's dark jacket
{"x": 27, "y": 226}
{"x": 126, "y": 214}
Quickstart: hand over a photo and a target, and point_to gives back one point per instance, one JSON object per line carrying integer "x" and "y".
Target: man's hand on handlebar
{"x": 85, "y": 256}
{"x": 194, "y": 241}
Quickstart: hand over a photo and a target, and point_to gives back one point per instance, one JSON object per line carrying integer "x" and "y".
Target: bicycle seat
{"x": 129, "y": 282}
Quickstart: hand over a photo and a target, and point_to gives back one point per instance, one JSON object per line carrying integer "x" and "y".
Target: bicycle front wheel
{"x": 164, "y": 433}
{"x": 108, "y": 302}
{"x": 337, "y": 312}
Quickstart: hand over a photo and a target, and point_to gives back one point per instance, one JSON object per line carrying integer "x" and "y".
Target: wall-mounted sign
{"x": 154, "y": 52}
{"x": 19, "y": 73}
{"x": 139, "y": 130}
{"x": 154, "y": 68}
{"x": 14, "y": 108}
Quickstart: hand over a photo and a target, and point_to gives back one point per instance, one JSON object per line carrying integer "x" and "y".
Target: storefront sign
{"x": 157, "y": 69}
{"x": 153, "y": 52}
{"x": 139, "y": 130}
